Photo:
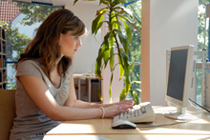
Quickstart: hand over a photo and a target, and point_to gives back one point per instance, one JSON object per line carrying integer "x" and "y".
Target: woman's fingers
{"x": 124, "y": 108}
{"x": 127, "y": 102}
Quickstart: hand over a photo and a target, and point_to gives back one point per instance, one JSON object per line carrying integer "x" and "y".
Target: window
{"x": 21, "y": 21}
{"x": 135, "y": 53}
{"x": 203, "y": 32}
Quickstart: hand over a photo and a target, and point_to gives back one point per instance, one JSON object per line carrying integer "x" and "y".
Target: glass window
{"x": 20, "y": 20}
{"x": 203, "y": 41}
{"x": 135, "y": 53}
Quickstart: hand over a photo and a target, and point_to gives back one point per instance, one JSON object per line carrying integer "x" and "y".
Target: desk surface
{"x": 100, "y": 129}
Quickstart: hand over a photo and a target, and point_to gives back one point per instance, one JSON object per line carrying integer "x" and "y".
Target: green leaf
{"x": 122, "y": 95}
{"x": 102, "y": 11}
{"x": 99, "y": 92}
{"x": 121, "y": 70}
{"x": 111, "y": 39}
{"x": 127, "y": 29}
{"x": 128, "y": 20}
{"x": 75, "y": 1}
{"x": 117, "y": 25}
{"x": 116, "y": 2}
{"x": 127, "y": 84}
{"x": 105, "y": 2}
{"x": 106, "y": 56}
{"x": 111, "y": 62}
{"x": 106, "y": 50}
{"x": 127, "y": 72}
{"x": 131, "y": 67}
{"x": 127, "y": 11}
{"x": 110, "y": 87}
{"x": 99, "y": 64}
{"x": 135, "y": 98}
{"x": 97, "y": 23}
{"x": 106, "y": 40}
{"x": 124, "y": 41}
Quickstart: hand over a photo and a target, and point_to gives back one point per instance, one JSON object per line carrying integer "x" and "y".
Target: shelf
{"x": 3, "y": 59}
{"x": 3, "y": 68}
{"x": 3, "y": 40}
{"x": 3, "y": 54}
{"x": 4, "y": 82}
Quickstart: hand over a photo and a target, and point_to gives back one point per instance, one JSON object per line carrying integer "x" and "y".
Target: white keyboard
{"x": 142, "y": 113}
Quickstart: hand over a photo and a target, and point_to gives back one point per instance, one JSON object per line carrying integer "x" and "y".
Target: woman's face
{"x": 69, "y": 44}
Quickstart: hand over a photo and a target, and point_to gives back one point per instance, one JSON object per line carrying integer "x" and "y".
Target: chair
{"x": 7, "y": 112}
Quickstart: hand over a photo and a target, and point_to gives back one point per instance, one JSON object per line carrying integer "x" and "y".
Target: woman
{"x": 45, "y": 91}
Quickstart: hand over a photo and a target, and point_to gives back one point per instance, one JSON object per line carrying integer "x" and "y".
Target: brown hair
{"x": 44, "y": 47}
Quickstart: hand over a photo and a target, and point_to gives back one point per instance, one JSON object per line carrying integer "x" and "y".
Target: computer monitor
{"x": 180, "y": 80}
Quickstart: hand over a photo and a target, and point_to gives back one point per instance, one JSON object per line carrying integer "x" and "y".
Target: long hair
{"x": 44, "y": 47}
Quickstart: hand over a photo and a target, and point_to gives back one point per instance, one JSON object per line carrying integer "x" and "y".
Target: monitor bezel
{"x": 188, "y": 77}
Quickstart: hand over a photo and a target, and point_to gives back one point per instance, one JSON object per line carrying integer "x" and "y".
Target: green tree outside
{"x": 17, "y": 42}
{"x": 201, "y": 31}
{"x": 135, "y": 53}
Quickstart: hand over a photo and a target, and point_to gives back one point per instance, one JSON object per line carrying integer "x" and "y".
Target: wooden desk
{"x": 88, "y": 77}
{"x": 100, "y": 129}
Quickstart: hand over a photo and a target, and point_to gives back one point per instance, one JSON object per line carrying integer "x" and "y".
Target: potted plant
{"x": 118, "y": 37}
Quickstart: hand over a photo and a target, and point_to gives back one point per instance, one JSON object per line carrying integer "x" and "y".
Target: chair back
{"x": 7, "y": 112}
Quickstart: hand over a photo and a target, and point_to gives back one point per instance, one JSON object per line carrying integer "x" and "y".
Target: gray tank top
{"x": 30, "y": 119}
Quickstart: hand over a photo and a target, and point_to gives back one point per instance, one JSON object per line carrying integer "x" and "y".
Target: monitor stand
{"x": 180, "y": 114}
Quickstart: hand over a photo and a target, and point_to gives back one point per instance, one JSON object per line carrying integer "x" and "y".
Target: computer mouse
{"x": 123, "y": 124}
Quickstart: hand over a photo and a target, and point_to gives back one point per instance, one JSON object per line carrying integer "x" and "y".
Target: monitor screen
{"x": 176, "y": 77}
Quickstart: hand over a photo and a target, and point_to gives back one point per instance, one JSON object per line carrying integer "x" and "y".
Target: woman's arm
{"x": 42, "y": 97}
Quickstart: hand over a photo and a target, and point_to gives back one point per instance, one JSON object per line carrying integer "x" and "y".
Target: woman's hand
{"x": 125, "y": 102}
{"x": 117, "y": 108}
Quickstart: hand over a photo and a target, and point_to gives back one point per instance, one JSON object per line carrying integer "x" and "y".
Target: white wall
{"x": 172, "y": 23}
{"x": 85, "y": 58}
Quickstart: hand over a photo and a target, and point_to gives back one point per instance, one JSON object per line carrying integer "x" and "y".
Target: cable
{"x": 204, "y": 108}
{"x": 194, "y": 105}
{"x": 160, "y": 125}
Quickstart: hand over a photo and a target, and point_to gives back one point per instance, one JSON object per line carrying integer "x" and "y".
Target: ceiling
{"x": 60, "y": 2}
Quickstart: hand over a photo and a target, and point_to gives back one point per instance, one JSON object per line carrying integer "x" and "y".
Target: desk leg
{"x": 79, "y": 89}
{"x": 89, "y": 90}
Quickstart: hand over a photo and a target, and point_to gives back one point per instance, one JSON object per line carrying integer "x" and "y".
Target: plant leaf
{"x": 75, "y": 1}
{"x": 106, "y": 50}
{"x": 128, "y": 20}
{"x": 135, "y": 98}
{"x": 97, "y": 23}
{"x": 131, "y": 67}
{"x": 122, "y": 95}
{"x": 124, "y": 41}
{"x": 99, "y": 64}
{"x": 126, "y": 73}
{"x": 99, "y": 92}
{"x": 106, "y": 56}
{"x": 127, "y": 29}
{"x": 105, "y": 2}
{"x": 116, "y": 2}
{"x": 121, "y": 70}
{"x": 110, "y": 87}
{"x": 111, "y": 61}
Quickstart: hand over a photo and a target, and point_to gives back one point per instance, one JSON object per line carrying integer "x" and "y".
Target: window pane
{"x": 135, "y": 50}
{"x": 20, "y": 20}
